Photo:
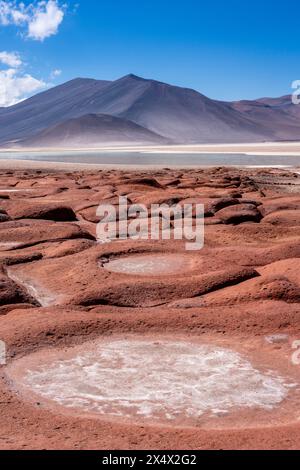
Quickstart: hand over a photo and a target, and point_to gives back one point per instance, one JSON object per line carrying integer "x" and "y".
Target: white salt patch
{"x": 13, "y": 190}
{"x": 163, "y": 380}
{"x": 152, "y": 265}
{"x": 43, "y": 296}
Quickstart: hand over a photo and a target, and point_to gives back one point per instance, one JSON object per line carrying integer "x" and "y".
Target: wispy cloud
{"x": 15, "y": 85}
{"x": 12, "y": 59}
{"x": 55, "y": 73}
{"x": 12, "y": 12}
{"x": 40, "y": 20}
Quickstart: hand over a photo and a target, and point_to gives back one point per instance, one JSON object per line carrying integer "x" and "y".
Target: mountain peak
{"x": 131, "y": 76}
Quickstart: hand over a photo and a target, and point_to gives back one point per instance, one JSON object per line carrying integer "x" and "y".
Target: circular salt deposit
{"x": 163, "y": 380}
{"x": 151, "y": 265}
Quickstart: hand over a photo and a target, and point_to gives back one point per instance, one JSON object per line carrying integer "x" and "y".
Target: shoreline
{"x": 265, "y": 148}
{"x": 15, "y": 165}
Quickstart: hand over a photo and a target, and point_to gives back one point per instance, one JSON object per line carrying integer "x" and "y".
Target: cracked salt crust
{"x": 163, "y": 380}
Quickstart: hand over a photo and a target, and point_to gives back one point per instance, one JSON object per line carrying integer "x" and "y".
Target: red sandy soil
{"x": 55, "y": 290}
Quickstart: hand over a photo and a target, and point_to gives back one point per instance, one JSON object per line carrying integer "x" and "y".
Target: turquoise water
{"x": 141, "y": 158}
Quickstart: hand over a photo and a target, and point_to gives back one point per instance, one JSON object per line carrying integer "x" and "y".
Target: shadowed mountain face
{"x": 92, "y": 130}
{"x": 280, "y": 115}
{"x": 179, "y": 115}
{"x": 72, "y": 99}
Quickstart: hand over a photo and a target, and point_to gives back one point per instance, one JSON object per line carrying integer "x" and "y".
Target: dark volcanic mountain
{"x": 94, "y": 130}
{"x": 180, "y": 115}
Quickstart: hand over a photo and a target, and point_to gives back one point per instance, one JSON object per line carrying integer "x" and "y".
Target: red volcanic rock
{"x": 44, "y": 250}
{"x": 244, "y": 200}
{"x": 239, "y": 213}
{"x": 17, "y": 257}
{"x": 4, "y": 217}
{"x": 90, "y": 214}
{"x": 265, "y": 288}
{"x": 11, "y": 293}
{"x": 57, "y": 213}
{"x": 283, "y": 217}
{"x": 211, "y": 205}
{"x": 6, "y": 309}
{"x": 93, "y": 285}
{"x": 284, "y": 203}
{"x": 169, "y": 182}
{"x": 149, "y": 182}
{"x": 220, "y": 203}
{"x": 60, "y": 288}
{"x": 33, "y": 232}
{"x": 66, "y": 248}
{"x": 159, "y": 197}
{"x": 212, "y": 221}
{"x": 289, "y": 268}
{"x": 277, "y": 281}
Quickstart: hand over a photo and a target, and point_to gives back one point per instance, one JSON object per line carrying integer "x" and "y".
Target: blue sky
{"x": 225, "y": 49}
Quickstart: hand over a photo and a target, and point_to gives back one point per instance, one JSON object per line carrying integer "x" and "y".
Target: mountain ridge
{"x": 176, "y": 114}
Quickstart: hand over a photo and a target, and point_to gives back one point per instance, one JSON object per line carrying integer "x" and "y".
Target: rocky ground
{"x": 55, "y": 289}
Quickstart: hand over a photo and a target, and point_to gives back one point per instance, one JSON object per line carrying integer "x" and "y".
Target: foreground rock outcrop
{"x": 59, "y": 287}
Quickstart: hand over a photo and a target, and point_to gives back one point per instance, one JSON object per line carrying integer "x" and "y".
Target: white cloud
{"x": 45, "y": 21}
{"x": 15, "y": 85}
{"x": 42, "y": 19}
{"x": 12, "y": 12}
{"x": 12, "y": 59}
{"x": 55, "y": 73}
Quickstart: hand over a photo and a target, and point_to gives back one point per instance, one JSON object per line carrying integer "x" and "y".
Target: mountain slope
{"x": 279, "y": 115}
{"x": 187, "y": 116}
{"x": 180, "y": 115}
{"x": 48, "y": 108}
{"x": 92, "y": 130}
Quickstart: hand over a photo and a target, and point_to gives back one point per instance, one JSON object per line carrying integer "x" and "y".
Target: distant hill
{"x": 179, "y": 115}
{"x": 94, "y": 130}
{"x": 280, "y": 115}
